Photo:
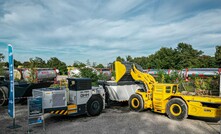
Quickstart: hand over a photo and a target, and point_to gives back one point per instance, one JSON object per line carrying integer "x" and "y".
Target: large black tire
{"x": 176, "y": 109}
{"x": 3, "y": 96}
{"x": 94, "y": 105}
{"x": 136, "y": 103}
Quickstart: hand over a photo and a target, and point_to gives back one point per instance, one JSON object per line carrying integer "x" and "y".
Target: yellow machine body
{"x": 197, "y": 105}
{"x": 166, "y": 98}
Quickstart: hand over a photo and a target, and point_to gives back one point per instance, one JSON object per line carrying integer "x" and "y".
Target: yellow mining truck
{"x": 166, "y": 98}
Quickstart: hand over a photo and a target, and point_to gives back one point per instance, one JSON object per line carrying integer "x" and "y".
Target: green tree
{"x": 56, "y": 63}
{"x": 120, "y": 59}
{"x": 78, "y": 64}
{"x": 17, "y": 63}
{"x": 183, "y": 56}
{"x": 129, "y": 58}
{"x": 218, "y": 56}
{"x": 164, "y": 58}
{"x": 187, "y": 57}
{"x": 38, "y": 62}
{"x": 206, "y": 61}
{"x": 100, "y": 66}
{"x": 89, "y": 73}
{"x": 143, "y": 61}
{"x": 26, "y": 64}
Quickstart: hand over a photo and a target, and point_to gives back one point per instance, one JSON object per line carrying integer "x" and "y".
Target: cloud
{"x": 101, "y": 30}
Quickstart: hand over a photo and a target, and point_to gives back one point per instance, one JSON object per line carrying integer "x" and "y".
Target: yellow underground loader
{"x": 166, "y": 98}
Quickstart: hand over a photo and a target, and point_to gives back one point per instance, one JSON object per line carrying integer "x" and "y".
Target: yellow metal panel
{"x": 56, "y": 112}
{"x": 158, "y": 98}
{"x": 120, "y": 70}
{"x": 161, "y": 97}
{"x": 207, "y": 99}
{"x": 72, "y": 111}
{"x": 73, "y": 106}
{"x": 146, "y": 98}
{"x": 196, "y": 109}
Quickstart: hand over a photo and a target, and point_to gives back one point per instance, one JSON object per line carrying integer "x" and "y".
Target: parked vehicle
{"x": 80, "y": 98}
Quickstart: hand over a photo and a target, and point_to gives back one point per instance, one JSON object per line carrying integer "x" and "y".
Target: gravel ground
{"x": 114, "y": 120}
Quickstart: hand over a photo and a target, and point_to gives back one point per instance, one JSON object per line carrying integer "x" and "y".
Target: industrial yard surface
{"x": 114, "y": 120}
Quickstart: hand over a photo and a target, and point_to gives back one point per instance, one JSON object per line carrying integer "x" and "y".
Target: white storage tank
{"x": 40, "y": 74}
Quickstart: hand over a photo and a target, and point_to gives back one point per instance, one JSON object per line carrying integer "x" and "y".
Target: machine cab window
{"x": 71, "y": 85}
{"x": 174, "y": 90}
{"x": 168, "y": 89}
{"x": 78, "y": 84}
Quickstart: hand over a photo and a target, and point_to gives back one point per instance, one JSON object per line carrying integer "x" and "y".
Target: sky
{"x": 101, "y": 30}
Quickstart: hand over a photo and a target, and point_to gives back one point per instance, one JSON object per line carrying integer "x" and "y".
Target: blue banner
{"x": 11, "y": 104}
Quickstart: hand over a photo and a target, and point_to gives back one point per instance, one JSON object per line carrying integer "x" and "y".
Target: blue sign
{"x": 35, "y": 120}
{"x": 35, "y": 106}
{"x": 11, "y": 104}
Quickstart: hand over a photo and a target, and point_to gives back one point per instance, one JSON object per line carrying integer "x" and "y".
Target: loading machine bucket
{"x": 123, "y": 71}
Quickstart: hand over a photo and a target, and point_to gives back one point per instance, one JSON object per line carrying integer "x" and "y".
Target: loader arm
{"x": 126, "y": 71}
{"x": 147, "y": 79}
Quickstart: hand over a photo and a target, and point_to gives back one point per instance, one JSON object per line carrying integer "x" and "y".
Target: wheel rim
{"x": 175, "y": 109}
{"x": 135, "y": 103}
{"x": 95, "y": 106}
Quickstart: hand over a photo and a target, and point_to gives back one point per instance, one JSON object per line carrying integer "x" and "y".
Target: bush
{"x": 173, "y": 77}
